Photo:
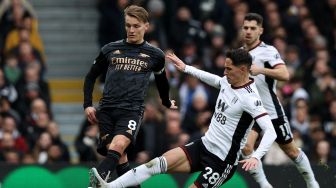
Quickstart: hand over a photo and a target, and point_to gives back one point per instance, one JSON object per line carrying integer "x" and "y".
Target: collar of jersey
{"x": 248, "y": 83}
{"x": 255, "y": 46}
{"x": 135, "y": 45}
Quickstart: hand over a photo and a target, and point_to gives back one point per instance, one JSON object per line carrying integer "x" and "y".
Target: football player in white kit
{"x": 267, "y": 68}
{"x": 216, "y": 154}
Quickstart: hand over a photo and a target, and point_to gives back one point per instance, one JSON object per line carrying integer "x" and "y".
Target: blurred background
{"x": 47, "y": 47}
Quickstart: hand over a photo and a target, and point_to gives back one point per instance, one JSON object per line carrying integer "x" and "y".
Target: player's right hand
{"x": 249, "y": 164}
{"x": 177, "y": 61}
{"x": 90, "y": 112}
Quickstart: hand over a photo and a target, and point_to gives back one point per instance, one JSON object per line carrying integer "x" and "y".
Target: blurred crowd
{"x": 28, "y": 133}
{"x": 199, "y": 32}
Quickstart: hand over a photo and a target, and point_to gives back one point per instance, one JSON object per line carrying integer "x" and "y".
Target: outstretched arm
{"x": 268, "y": 138}
{"x": 208, "y": 78}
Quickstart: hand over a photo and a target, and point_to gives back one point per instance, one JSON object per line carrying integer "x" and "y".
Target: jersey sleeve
{"x": 210, "y": 79}
{"x": 273, "y": 57}
{"x": 159, "y": 65}
{"x": 254, "y": 106}
{"x": 268, "y": 137}
{"x": 98, "y": 67}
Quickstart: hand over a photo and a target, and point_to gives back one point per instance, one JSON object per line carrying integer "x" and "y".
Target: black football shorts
{"x": 114, "y": 121}
{"x": 214, "y": 171}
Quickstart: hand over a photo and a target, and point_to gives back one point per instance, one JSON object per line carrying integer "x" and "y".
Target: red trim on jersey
{"x": 261, "y": 115}
{"x": 255, "y": 46}
{"x": 248, "y": 83}
{"x": 278, "y": 64}
{"x": 187, "y": 154}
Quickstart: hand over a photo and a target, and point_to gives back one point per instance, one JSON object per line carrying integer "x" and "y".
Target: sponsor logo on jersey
{"x": 116, "y": 52}
{"x": 129, "y": 64}
{"x": 143, "y": 55}
{"x": 222, "y": 106}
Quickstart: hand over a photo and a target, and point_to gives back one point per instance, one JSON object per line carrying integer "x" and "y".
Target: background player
{"x": 267, "y": 68}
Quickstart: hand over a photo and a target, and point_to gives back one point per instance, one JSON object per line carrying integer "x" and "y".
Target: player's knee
{"x": 119, "y": 145}
{"x": 292, "y": 152}
{"x": 248, "y": 149}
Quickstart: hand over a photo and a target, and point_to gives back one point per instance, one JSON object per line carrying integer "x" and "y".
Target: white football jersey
{"x": 267, "y": 56}
{"x": 235, "y": 112}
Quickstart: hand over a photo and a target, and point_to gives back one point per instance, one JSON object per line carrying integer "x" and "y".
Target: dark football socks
{"x": 108, "y": 165}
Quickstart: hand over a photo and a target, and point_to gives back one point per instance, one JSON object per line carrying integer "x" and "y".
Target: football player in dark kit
{"x": 128, "y": 65}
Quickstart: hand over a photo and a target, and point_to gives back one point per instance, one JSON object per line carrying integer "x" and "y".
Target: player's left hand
{"x": 173, "y": 105}
{"x": 255, "y": 70}
{"x": 249, "y": 164}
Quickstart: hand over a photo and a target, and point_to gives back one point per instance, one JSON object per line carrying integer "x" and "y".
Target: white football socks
{"x": 303, "y": 166}
{"x": 141, "y": 173}
{"x": 258, "y": 174}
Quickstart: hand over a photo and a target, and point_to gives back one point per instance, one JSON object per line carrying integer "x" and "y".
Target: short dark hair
{"x": 254, "y": 16}
{"x": 239, "y": 57}
{"x": 138, "y": 12}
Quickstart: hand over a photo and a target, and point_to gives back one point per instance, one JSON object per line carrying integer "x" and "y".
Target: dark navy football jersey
{"x": 128, "y": 68}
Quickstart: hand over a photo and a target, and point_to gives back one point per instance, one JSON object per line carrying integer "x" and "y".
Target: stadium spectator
{"x": 55, "y": 154}
{"x": 40, "y": 150}
{"x": 7, "y": 109}
{"x": 323, "y": 153}
{"x": 30, "y": 87}
{"x": 300, "y": 119}
{"x": 188, "y": 29}
{"x": 10, "y": 126}
{"x": 11, "y": 69}
{"x": 53, "y": 130}
{"x": 86, "y": 142}
{"x": 157, "y": 30}
{"x": 111, "y": 21}
{"x": 199, "y": 104}
{"x": 27, "y": 32}
{"x": 188, "y": 88}
{"x": 7, "y": 89}
{"x": 154, "y": 128}
{"x": 11, "y": 13}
